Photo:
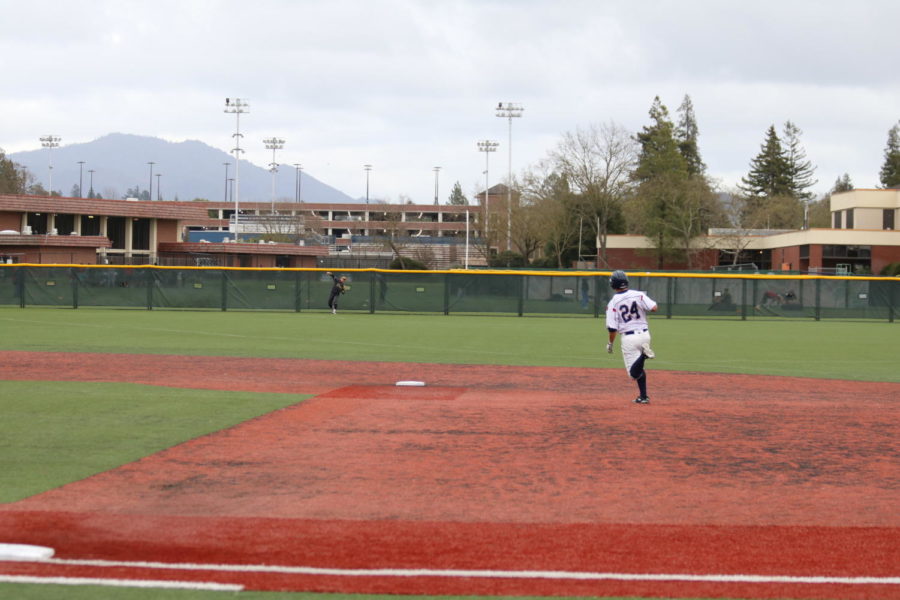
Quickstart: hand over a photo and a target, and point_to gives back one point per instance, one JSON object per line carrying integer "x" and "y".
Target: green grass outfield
{"x": 821, "y": 349}
{"x": 46, "y": 441}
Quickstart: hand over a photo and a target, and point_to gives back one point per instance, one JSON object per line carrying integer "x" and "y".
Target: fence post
{"x": 224, "y": 290}
{"x": 522, "y": 294}
{"x": 150, "y": 277}
{"x": 670, "y": 295}
{"x": 298, "y": 290}
{"x": 891, "y": 300}
{"x": 595, "y": 284}
{"x": 743, "y": 299}
{"x": 74, "y": 276}
{"x": 818, "y": 311}
{"x": 446, "y": 294}
{"x": 20, "y": 285}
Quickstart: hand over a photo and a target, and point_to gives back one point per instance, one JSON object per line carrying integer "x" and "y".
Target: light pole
{"x": 50, "y": 142}
{"x": 368, "y": 169}
{"x": 509, "y": 110}
{"x": 80, "y": 178}
{"x": 150, "y": 193}
{"x": 226, "y": 180}
{"x": 436, "y": 171}
{"x": 273, "y": 144}
{"x": 299, "y": 183}
{"x": 487, "y": 146}
{"x": 238, "y": 107}
{"x": 91, "y": 192}
{"x": 158, "y": 197}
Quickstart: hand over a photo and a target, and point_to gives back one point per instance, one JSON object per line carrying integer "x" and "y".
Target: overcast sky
{"x": 407, "y": 85}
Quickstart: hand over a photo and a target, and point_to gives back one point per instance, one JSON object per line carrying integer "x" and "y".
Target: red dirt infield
{"x": 494, "y": 480}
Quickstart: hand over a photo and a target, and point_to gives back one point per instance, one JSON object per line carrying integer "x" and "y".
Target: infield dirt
{"x": 500, "y": 468}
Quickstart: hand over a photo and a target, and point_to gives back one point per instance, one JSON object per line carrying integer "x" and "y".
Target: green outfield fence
{"x": 714, "y": 295}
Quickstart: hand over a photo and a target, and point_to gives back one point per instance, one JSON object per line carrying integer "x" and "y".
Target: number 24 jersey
{"x": 627, "y": 311}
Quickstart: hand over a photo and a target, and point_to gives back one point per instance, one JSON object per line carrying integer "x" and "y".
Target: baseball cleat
{"x": 648, "y": 352}
{"x": 641, "y": 400}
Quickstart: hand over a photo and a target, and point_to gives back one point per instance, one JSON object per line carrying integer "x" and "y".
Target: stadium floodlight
{"x": 237, "y": 106}
{"x": 487, "y": 146}
{"x": 436, "y": 171}
{"x": 150, "y": 193}
{"x": 273, "y": 144}
{"x": 299, "y": 182}
{"x": 80, "y": 178}
{"x": 509, "y": 110}
{"x": 50, "y": 142}
{"x": 368, "y": 169}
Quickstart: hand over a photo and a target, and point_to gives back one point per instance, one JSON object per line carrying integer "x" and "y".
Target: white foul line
{"x": 557, "y": 575}
{"x": 140, "y": 583}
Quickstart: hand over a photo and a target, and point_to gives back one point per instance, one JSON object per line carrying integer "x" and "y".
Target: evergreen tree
{"x": 659, "y": 151}
{"x": 890, "y": 170}
{"x": 769, "y": 170}
{"x": 799, "y": 169}
{"x": 663, "y": 177}
{"x": 842, "y": 184}
{"x": 457, "y": 198}
{"x": 12, "y": 176}
{"x": 686, "y": 134}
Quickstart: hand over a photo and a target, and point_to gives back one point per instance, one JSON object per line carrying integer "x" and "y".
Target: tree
{"x": 842, "y": 184}
{"x": 553, "y": 207}
{"x": 457, "y": 198}
{"x": 769, "y": 170}
{"x": 13, "y": 177}
{"x": 799, "y": 169}
{"x": 659, "y": 152}
{"x": 136, "y": 192}
{"x": 597, "y": 163}
{"x": 686, "y": 134}
{"x": 662, "y": 174}
{"x": 890, "y": 170}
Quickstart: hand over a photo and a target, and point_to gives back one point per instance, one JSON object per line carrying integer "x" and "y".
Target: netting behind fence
{"x": 448, "y": 292}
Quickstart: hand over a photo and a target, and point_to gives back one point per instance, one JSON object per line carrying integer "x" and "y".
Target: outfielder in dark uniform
{"x": 626, "y": 315}
{"x": 336, "y": 290}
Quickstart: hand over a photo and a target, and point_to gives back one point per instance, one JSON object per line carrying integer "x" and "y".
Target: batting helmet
{"x": 618, "y": 280}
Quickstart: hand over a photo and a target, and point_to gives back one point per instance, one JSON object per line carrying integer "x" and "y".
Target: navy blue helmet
{"x": 618, "y": 280}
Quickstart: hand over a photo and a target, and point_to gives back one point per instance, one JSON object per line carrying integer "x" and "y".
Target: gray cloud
{"x": 406, "y": 85}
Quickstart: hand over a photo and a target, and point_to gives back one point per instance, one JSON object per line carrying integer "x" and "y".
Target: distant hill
{"x": 189, "y": 170}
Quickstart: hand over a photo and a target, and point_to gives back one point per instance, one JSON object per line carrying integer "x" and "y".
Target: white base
{"x": 411, "y": 383}
{"x": 14, "y": 552}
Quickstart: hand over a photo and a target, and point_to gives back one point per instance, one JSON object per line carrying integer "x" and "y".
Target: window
{"x": 887, "y": 219}
{"x": 836, "y": 251}
{"x": 140, "y": 234}
{"x": 849, "y": 218}
{"x": 115, "y": 231}
{"x": 90, "y": 225}
{"x": 837, "y": 219}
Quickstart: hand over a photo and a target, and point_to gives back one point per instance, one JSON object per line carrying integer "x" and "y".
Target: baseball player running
{"x": 626, "y": 314}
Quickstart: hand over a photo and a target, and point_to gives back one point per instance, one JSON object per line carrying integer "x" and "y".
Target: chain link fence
{"x": 522, "y": 293}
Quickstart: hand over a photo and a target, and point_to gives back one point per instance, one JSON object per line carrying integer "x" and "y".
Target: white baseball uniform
{"x": 626, "y": 313}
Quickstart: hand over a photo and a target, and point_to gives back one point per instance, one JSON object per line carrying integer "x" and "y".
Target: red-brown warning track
{"x": 493, "y": 470}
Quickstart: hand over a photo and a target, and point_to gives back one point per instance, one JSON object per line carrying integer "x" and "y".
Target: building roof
{"x": 111, "y": 208}
{"x": 67, "y": 241}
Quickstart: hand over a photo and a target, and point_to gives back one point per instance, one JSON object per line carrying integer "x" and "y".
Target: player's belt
{"x": 635, "y": 331}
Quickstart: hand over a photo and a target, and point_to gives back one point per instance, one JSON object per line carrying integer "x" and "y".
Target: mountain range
{"x": 187, "y": 170}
